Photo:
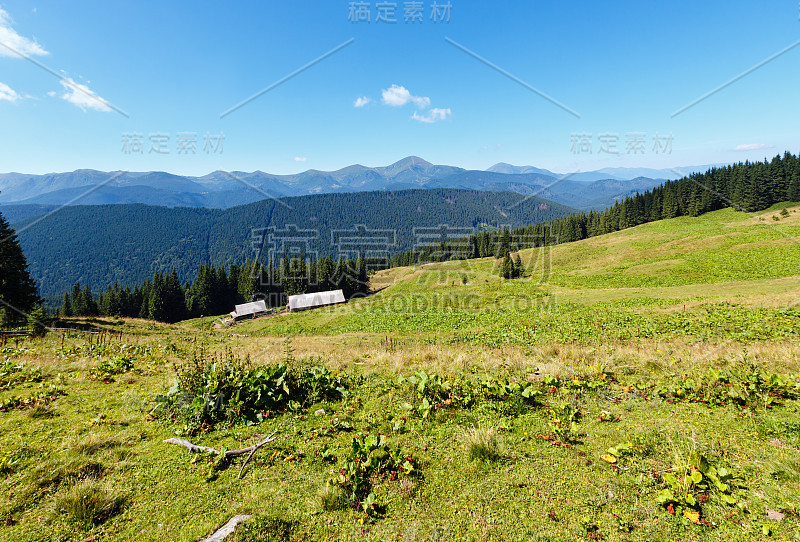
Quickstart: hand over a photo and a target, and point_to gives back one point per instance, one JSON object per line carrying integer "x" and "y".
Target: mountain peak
{"x": 501, "y": 167}
{"x": 410, "y": 161}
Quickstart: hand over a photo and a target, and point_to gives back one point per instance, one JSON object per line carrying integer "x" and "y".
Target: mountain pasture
{"x": 640, "y": 385}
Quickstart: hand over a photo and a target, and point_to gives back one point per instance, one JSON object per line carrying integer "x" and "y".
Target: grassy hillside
{"x": 640, "y": 386}
{"x": 734, "y": 267}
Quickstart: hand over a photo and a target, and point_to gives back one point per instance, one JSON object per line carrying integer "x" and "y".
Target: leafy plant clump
{"x": 369, "y": 456}
{"x": 626, "y": 450}
{"x": 108, "y": 369}
{"x": 12, "y": 373}
{"x": 688, "y": 487}
{"x": 8, "y": 462}
{"x": 745, "y": 386}
{"x": 564, "y": 420}
{"x": 227, "y": 389}
{"x": 431, "y": 392}
{"x": 44, "y": 396}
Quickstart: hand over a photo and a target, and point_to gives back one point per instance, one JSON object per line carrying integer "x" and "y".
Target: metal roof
{"x": 317, "y": 299}
{"x": 246, "y": 309}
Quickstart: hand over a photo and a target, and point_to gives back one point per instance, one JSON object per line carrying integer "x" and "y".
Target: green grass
{"x": 612, "y": 287}
{"x": 646, "y": 355}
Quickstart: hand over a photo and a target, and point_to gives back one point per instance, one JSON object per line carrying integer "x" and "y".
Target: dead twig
{"x": 256, "y": 447}
{"x": 229, "y": 453}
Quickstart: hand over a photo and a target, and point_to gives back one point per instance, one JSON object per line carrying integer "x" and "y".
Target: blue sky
{"x": 174, "y": 67}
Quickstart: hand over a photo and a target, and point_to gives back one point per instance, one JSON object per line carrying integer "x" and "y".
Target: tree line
{"x": 748, "y": 186}
{"x": 215, "y": 290}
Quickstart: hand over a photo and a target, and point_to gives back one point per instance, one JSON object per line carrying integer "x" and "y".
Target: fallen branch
{"x": 256, "y": 447}
{"x": 229, "y": 453}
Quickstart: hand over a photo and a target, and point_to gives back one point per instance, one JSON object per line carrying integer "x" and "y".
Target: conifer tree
{"x": 156, "y": 304}
{"x": 78, "y": 308}
{"x": 794, "y": 187}
{"x": 519, "y": 269}
{"x": 503, "y": 244}
{"x": 66, "y": 306}
{"x": 17, "y": 289}
{"x": 88, "y": 302}
{"x": 506, "y": 266}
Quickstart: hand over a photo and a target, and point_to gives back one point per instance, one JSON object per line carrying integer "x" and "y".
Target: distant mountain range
{"x": 222, "y": 190}
{"x": 611, "y": 173}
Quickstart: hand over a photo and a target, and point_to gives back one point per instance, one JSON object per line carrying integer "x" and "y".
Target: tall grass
{"x": 482, "y": 444}
{"x": 87, "y": 504}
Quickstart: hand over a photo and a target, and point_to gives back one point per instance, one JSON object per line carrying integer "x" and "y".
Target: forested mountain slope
{"x": 103, "y": 244}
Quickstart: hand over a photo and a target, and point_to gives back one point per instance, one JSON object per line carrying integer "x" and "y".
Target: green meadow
{"x": 642, "y": 385}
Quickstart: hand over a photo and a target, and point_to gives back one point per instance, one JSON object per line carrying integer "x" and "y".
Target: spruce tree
{"x": 363, "y": 275}
{"x": 794, "y": 188}
{"x": 670, "y": 205}
{"x": 66, "y": 306}
{"x": 88, "y": 302}
{"x": 18, "y": 291}
{"x": 503, "y": 244}
{"x": 156, "y": 305}
{"x": 174, "y": 299}
{"x": 506, "y": 266}
{"x": 248, "y": 280}
{"x": 77, "y": 301}
{"x": 519, "y": 269}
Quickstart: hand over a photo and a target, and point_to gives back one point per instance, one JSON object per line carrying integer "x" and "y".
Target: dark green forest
{"x": 749, "y": 186}
{"x": 127, "y": 244}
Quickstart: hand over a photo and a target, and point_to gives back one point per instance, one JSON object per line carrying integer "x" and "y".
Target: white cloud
{"x": 82, "y": 96}
{"x": 12, "y": 40}
{"x": 752, "y": 147}
{"x": 398, "y": 96}
{"x": 51, "y": 93}
{"x": 361, "y": 102}
{"x": 434, "y": 115}
{"x": 300, "y": 159}
{"x": 7, "y": 93}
